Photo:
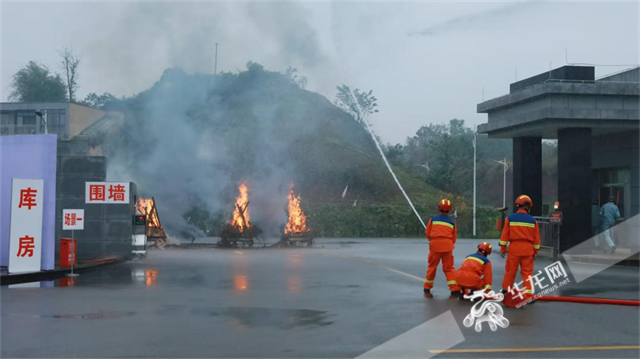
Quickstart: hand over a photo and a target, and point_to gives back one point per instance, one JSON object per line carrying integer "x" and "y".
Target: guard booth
{"x": 596, "y": 124}
{"x": 139, "y": 236}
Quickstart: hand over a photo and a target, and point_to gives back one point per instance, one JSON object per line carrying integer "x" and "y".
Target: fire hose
{"x": 590, "y": 300}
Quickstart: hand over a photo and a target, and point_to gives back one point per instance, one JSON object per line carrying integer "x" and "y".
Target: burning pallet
{"x": 155, "y": 231}
{"x": 239, "y": 232}
{"x": 296, "y": 232}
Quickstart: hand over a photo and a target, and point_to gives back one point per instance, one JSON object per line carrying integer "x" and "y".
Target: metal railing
{"x": 549, "y": 235}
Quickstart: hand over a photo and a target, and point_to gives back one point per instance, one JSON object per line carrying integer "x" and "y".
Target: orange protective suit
{"x": 475, "y": 273}
{"x": 522, "y": 234}
{"x": 442, "y": 234}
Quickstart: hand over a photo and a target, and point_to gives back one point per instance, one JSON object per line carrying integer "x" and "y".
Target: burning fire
{"x": 297, "y": 219}
{"x": 145, "y": 206}
{"x": 242, "y": 203}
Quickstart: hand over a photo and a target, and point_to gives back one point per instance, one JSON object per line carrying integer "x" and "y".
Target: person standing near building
{"x": 442, "y": 233}
{"x": 610, "y": 214}
{"x": 522, "y": 234}
{"x": 596, "y": 221}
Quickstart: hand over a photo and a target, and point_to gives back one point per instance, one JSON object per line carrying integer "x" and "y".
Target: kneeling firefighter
{"x": 442, "y": 233}
{"x": 476, "y": 272}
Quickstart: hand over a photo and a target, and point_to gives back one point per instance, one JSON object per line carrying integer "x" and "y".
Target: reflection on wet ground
{"x": 255, "y": 317}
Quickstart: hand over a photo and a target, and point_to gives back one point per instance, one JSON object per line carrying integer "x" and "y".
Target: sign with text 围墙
{"x": 73, "y": 219}
{"x": 107, "y": 192}
{"x": 25, "y": 239}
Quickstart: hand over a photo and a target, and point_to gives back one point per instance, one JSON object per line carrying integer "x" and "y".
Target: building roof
{"x": 569, "y": 96}
{"x": 108, "y": 123}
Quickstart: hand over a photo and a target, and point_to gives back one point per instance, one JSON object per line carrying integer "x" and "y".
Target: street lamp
{"x": 504, "y": 182}
{"x": 44, "y": 119}
{"x": 475, "y": 137}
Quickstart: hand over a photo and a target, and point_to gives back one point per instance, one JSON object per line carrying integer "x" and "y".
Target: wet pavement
{"x": 340, "y": 300}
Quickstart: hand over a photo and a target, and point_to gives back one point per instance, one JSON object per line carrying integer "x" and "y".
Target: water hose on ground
{"x": 635, "y": 303}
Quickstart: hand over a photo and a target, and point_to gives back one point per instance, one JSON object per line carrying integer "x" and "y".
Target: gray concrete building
{"x": 597, "y": 125}
{"x": 80, "y": 129}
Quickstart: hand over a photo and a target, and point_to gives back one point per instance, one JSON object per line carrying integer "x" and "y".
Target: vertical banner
{"x": 25, "y": 239}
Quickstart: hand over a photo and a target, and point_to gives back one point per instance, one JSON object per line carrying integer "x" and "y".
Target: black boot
{"x": 455, "y": 293}
{"x": 427, "y": 290}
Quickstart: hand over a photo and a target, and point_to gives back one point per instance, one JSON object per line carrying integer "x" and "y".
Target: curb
{"x": 52, "y": 274}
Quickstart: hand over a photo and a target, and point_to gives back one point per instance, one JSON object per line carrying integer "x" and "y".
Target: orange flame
{"x": 144, "y": 206}
{"x": 297, "y": 219}
{"x": 242, "y": 202}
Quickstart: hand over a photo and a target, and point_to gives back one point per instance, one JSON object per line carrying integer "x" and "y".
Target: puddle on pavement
{"x": 256, "y": 317}
{"x": 90, "y": 316}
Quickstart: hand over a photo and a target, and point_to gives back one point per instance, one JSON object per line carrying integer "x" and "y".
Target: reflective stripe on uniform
{"x": 522, "y": 224}
{"x": 428, "y": 281}
{"x": 452, "y": 282}
{"x": 536, "y": 246}
{"x": 476, "y": 259}
{"x": 503, "y": 243}
{"x": 442, "y": 224}
{"x": 487, "y": 286}
{"x": 528, "y": 291}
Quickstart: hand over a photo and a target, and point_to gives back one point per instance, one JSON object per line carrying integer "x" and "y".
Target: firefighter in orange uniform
{"x": 441, "y": 233}
{"x": 476, "y": 272}
{"x": 522, "y": 234}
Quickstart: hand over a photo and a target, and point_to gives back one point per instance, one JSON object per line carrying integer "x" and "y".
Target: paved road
{"x": 341, "y": 300}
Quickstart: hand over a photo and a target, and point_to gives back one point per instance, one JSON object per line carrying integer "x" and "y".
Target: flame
{"x": 144, "y": 206}
{"x": 242, "y": 201}
{"x": 297, "y": 219}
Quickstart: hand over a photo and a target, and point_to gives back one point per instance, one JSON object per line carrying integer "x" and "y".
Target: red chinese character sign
{"x": 107, "y": 192}
{"x": 73, "y": 219}
{"x": 25, "y": 244}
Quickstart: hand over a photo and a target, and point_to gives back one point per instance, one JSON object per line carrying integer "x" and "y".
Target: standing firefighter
{"x": 523, "y": 235}
{"x": 476, "y": 272}
{"x": 441, "y": 233}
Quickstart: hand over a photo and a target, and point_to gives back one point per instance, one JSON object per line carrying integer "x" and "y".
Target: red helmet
{"x": 485, "y": 247}
{"x": 444, "y": 205}
{"x": 524, "y": 200}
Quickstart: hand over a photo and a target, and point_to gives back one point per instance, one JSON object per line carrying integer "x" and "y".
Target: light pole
{"x": 44, "y": 119}
{"x": 475, "y": 136}
{"x": 504, "y": 181}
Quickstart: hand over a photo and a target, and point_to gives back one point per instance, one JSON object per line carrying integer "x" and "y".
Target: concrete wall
{"x": 626, "y": 76}
{"x": 81, "y": 117}
{"x": 108, "y": 227}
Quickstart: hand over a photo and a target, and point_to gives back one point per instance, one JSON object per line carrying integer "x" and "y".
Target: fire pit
{"x": 239, "y": 232}
{"x": 296, "y": 232}
{"x": 154, "y": 230}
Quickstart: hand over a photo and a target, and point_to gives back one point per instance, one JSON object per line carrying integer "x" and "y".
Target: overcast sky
{"x": 425, "y": 61}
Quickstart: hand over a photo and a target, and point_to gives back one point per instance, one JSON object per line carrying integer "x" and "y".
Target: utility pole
{"x": 215, "y": 66}
{"x": 475, "y": 136}
{"x": 504, "y": 184}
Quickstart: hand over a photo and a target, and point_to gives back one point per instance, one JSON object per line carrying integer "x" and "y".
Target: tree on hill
{"x": 358, "y": 104}
{"x": 69, "y": 63}
{"x": 35, "y": 83}
{"x": 98, "y": 101}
